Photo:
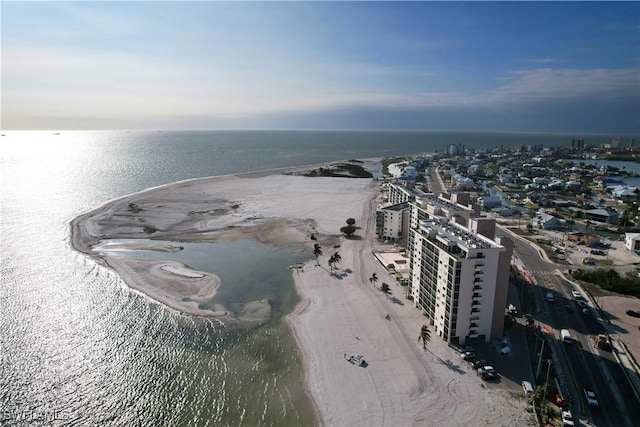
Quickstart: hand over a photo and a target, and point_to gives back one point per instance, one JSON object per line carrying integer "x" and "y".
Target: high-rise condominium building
{"x": 459, "y": 271}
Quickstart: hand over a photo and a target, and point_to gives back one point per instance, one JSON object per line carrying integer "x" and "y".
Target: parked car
{"x": 586, "y": 312}
{"x": 489, "y": 376}
{"x": 567, "y": 418}
{"x": 467, "y": 355}
{"x": 527, "y": 387}
{"x": 466, "y": 348}
{"x": 485, "y": 369}
{"x": 479, "y": 364}
{"x": 576, "y": 294}
{"x": 591, "y": 397}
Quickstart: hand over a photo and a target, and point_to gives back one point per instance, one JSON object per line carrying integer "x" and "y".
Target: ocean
{"x": 77, "y": 347}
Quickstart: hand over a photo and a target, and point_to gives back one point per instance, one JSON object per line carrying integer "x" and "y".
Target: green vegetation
{"x": 350, "y": 228}
{"x": 385, "y": 289}
{"x": 610, "y": 280}
{"x": 373, "y": 279}
{"x": 390, "y": 161}
{"x": 425, "y": 336}
{"x": 334, "y": 259}
{"x": 317, "y": 252}
{"x": 149, "y": 229}
{"x": 342, "y": 170}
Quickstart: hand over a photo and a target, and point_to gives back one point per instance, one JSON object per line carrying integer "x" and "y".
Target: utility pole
{"x": 540, "y": 360}
{"x": 546, "y": 386}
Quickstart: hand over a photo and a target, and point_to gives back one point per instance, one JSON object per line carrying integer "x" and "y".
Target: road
{"x": 585, "y": 367}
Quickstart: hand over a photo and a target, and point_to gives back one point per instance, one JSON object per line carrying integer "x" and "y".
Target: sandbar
{"x": 340, "y": 312}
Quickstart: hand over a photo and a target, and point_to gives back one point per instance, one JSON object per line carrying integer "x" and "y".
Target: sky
{"x": 462, "y": 66}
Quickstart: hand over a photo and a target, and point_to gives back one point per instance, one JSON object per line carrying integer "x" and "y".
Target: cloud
{"x": 540, "y": 60}
{"x": 58, "y": 83}
{"x": 551, "y": 83}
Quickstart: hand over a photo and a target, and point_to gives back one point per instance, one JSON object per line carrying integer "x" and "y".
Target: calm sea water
{"x": 77, "y": 347}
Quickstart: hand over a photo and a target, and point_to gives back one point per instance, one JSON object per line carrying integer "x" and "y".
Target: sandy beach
{"x": 340, "y": 313}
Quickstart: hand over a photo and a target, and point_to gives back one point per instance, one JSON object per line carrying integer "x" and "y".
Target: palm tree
{"x": 317, "y": 251}
{"x": 373, "y": 279}
{"x": 385, "y": 289}
{"x": 334, "y": 259}
{"x": 425, "y": 336}
{"x": 624, "y": 219}
{"x": 337, "y": 258}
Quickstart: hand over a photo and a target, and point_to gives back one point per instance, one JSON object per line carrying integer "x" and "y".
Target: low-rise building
{"x": 546, "y": 221}
{"x": 602, "y": 215}
{"x": 392, "y": 222}
{"x": 489, "y": 202}
{"x": 632, "y": 242}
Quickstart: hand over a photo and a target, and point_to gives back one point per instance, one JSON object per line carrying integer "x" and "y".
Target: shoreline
{"x": 91, "y": 238}
{"x": 338, "y": 313}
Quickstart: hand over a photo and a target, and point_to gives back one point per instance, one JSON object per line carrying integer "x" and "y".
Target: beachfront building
{"x": 397, "y": 194}
{"x": 459, "y": 272}
{"x": 392, "y": 222}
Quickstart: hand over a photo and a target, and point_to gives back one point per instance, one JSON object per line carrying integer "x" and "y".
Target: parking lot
{"x": 513, "y": 366}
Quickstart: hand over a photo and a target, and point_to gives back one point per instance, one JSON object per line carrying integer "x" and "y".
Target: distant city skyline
{"x": 459, "y": 66}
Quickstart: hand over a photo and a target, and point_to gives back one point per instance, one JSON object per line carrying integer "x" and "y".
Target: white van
{"x": 527, "y": 388}
{"x": 566, "y": 336}
{"x": 550, "y": 296}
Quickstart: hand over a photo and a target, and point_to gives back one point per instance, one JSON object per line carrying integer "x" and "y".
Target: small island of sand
{"x": 339, "y": 314}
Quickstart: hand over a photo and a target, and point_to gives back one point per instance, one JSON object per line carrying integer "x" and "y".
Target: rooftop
{"x": 433, "y": 200}
{"x": 453, "y": 233}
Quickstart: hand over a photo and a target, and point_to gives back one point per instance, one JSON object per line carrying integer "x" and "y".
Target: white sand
{"x": 340, "y": 312}
{"x": 402, "y": 385}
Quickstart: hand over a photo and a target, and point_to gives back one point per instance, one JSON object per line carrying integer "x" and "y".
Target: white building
{"x": 459, "y": 277}
{"x": 632, "y": 242}
{"x": 398, "y": 194}
{"x": 392, "y": 222}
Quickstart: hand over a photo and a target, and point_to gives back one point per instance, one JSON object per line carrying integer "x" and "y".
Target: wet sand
{"x": 340, "y": 312}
